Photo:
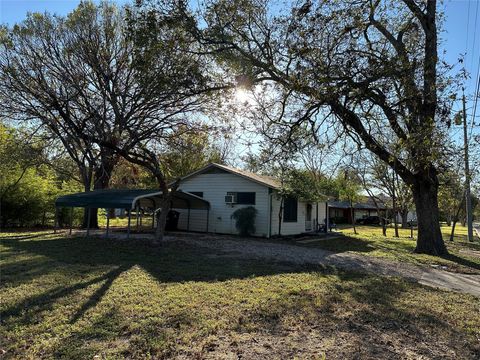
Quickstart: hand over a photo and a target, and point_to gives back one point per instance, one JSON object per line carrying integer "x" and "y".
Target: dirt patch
{"x": 470, "y": 252}
{"x": 347, "y": 338}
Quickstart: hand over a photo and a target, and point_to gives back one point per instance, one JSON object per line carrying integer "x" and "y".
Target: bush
{"x": 29, "y": 197}
{"x": 245, "y": 220}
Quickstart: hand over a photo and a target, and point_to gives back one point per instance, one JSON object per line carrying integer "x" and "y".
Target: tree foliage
{"x": 28, "y": 186}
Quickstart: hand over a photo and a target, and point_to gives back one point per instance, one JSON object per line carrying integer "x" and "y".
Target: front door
{"x": 308, "y": 217}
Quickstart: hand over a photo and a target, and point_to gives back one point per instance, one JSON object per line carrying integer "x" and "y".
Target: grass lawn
{"x": 80, "y": 298}
{"x": 464, "y": 256}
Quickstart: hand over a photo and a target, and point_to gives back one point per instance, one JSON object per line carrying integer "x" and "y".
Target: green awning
{"x": 129, "y": 199}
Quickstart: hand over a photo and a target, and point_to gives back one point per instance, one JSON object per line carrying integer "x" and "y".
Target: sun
{"x": 242, "y": 96}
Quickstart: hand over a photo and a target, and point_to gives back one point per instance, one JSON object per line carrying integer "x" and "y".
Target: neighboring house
{"x": 340, "y": 211}
{"x": 228, "y": 189}
{"x": 411, "y": 216}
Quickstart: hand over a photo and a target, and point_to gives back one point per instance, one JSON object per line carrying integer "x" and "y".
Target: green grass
{"x": 78, "y": 298}
{"x": 464, "y": 256}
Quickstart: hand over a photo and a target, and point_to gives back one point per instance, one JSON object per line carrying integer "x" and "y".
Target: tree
{"x": 349, "y": 190}
{"x": 394, "y": 188}
{"x": 169, "y": 87}
{"x": 364, "y": 171}
{"x": 28, "y": 185}
{"x": 190, "y": 151}
{"x": 54, "y": 68}
{"x": 118, "y": 93}
{"x": 350, "y": 63}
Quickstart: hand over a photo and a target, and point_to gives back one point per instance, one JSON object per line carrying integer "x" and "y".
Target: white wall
{"x": 215, "y": 187}
{"x": 411, "y": 216}
{"x": 298, "y": 227}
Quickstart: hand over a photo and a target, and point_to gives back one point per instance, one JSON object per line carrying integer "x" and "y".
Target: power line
{"x": 474, "y": 32}
{"x": 466, "y": 42}
{"x": 475, "y": 100}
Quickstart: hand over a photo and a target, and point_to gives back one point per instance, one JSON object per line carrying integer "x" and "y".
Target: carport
{"x": 128, "y": 199}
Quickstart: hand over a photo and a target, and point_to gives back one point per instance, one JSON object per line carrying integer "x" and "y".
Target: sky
{"x": 461, "y": 33}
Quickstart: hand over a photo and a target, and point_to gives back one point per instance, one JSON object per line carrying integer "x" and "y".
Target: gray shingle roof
{"x": 260, "y": 179}
{"x": 346, "y": 205}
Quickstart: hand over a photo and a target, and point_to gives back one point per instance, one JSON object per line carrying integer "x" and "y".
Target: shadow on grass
{"x": 462, "y": 261}
{"x": 35, "y": 304}
{"x": 356, "y": 305}
{"x": 362, "y": 307}
{"x": 88, "y": 258}
{"x": 342, "y": 243}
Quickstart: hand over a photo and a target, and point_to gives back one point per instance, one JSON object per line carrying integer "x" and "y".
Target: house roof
{"x": 260, "y": 179}
{"x": 359, "y": 206}
{"x": 129, "y": 199}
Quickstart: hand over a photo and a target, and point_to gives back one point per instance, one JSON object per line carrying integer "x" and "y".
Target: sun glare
{"x": 242, "y": 96}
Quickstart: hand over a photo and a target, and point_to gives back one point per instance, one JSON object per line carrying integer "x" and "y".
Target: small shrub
{"x": 245, "y": 220}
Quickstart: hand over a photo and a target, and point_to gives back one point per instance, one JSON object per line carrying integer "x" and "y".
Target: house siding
{"x": 215, "y": 187}
{"x": 298, "y": 227}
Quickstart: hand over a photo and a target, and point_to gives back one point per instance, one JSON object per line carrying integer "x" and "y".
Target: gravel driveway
{"x": 254, "y": 249}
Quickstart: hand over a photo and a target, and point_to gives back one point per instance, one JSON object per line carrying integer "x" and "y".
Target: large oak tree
{"x": 369, "y": 65}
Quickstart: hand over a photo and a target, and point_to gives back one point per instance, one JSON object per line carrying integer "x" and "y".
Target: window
{"x": 197, "y": 193}
{"x": 290, "y": 207}
{"x": 243, "y": 198}
{"x": 246, "y": 198}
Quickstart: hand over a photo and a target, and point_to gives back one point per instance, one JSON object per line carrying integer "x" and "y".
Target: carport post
{"x": 108, "y": 222}
{"x": 88, "y": 221}
{"x": 71, "y": 221}
{"x": 188, "y": 218}
{"x": 153, "y": 219}
{"x": 208, "y": 217}
{"x": 327, "y": 217}
{"x": 129, "y": 220}
{"x": 137, "y": 212}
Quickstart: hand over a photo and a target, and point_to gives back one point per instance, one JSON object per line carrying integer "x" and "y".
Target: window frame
{"x": 243, "y": 202}
{"x": 289, "y": 219}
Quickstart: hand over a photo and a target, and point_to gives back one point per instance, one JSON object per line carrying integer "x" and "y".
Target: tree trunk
{"x": 425, "y": 195}
{"x": 394, "y": 205}
{"x": 452, "y": 234}
{"x": 161, "y": 222}
{"x": 87, "y": 179}
{"x": 455, "y": 220}
{"x": 101, "y": 181}
{"x": 404, "y": 215}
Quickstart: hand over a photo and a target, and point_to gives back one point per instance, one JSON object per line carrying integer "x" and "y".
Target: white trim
{"x": 145, "y": 196}
{"x": 161, "y": 192}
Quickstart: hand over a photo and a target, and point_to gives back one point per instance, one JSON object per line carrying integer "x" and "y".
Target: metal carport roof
{"x": 129, "y": 199}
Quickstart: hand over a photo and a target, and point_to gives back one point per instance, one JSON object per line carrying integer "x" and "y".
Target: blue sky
{"x": 462, "y": 28}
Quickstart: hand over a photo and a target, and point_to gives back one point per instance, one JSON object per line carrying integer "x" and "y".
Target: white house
{"x": 411, "y": 216}
{"x": 228, "y": 189}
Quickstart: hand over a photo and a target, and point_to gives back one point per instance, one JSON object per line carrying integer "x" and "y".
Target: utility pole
{"x": 468, "y": 200}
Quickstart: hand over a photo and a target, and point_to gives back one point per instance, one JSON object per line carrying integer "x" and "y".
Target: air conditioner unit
{"x": 230, "y": 199}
